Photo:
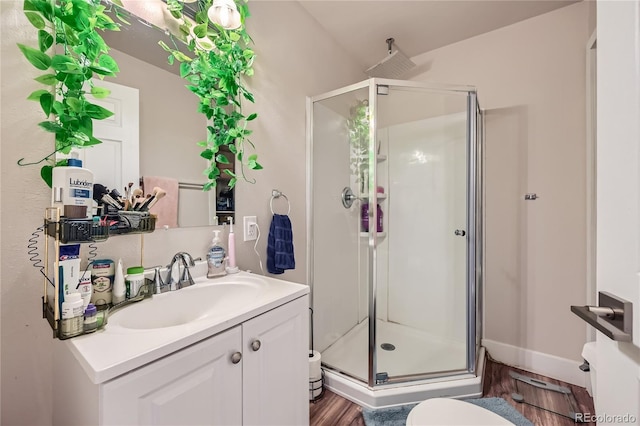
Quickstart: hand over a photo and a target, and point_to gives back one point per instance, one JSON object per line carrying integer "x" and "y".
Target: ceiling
{"x": 361, "y": 27}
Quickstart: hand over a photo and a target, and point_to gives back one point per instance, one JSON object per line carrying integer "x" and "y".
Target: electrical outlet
{"x": 250, "y": 228}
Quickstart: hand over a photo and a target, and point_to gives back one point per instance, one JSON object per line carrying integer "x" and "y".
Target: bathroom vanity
{"x": 230, "y": 351}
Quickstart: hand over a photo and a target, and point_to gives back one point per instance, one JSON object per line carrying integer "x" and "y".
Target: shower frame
{"x": 474, "y": 225}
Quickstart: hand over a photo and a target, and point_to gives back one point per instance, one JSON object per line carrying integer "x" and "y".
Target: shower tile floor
{"x": 416, "y": 352}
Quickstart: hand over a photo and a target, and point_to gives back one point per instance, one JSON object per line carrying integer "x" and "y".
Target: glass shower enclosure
{"x": 395, "y": 232}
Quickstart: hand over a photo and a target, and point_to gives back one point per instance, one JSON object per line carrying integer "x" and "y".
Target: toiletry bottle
{"x": 135, "y": 281}
{"x": 215, "y": 257}
{"x": 90, "y": 319}
{"x": 72, "y": 315}
{"x": 72, "y": 185}
{"x": 231, "y": 250}
{"x": 380, "y": 214}
{"x": 102, "y": 273}
{"x": 85, "y": 288}
{"x": 364, "y": 217}
{"x": 119, "y": 291}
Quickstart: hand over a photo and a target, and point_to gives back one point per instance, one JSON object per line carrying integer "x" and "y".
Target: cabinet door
{"x": 276, "y": 373}
{"x": 199, "y": 385}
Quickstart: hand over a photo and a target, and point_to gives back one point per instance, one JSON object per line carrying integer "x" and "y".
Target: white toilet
{"x": 446, "y": 411}
{"x": 589, "y": 355}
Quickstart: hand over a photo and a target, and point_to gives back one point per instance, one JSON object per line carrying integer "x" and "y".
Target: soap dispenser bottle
{"x": 216, "y": 257}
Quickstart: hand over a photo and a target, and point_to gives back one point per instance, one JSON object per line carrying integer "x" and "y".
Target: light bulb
{"x": 234, "y": 21}
{"x": 224, "y": 16}
{"x": 224, "y": 13}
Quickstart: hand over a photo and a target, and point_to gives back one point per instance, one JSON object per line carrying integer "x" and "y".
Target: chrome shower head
{"x": 394, "y": 65}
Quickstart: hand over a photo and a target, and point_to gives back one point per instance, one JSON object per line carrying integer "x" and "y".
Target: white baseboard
{"x": 537, "y": 362}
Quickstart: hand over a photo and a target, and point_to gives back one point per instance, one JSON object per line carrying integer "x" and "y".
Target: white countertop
{"x": 115, "y": 350}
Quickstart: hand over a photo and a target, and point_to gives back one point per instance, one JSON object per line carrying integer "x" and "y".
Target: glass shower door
{"x": 421, "y": 256}
{"x": 339, "y": 170}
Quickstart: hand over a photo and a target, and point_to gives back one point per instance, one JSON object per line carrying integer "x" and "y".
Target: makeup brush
{"x": 98, "y": 191}
{"x": 141, "y": 200}
{"x": 138, "y": 202}
{"x": 161, "y": 193}
{"x": 135, "y": 194}
{"x": 145, "y": 205}
{"x": 106, "y": 198}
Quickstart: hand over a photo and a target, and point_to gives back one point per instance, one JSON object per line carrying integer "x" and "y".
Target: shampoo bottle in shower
{"x": 380, "y": 214}
{"x": 215, "y": 257}
{"x": 364, "y": 217}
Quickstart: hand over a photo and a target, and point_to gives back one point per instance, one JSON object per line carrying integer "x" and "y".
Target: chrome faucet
{"x": 178, "y": 273}
{"x": 184, "y": 279}
{"x": 159, "y": 285}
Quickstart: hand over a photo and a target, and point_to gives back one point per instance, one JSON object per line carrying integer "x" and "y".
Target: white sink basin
{"x": 203, "y": 300}
{"x": 146, "y": 331}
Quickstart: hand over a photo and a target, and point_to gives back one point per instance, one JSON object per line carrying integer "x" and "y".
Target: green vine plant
{"x": 71, "y": 52}
{"x": 358, "y": 131}
{"x": 214, "y": 71}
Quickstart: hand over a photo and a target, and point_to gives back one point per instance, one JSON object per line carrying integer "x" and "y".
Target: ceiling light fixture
{"x": 224, "y": 13}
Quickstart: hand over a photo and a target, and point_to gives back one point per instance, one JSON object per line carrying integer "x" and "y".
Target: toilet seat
{"x": 447, "y": 411}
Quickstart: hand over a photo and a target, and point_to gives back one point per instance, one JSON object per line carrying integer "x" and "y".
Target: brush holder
{"x": 131, "y": 218}
{"x": 134, "y": 222}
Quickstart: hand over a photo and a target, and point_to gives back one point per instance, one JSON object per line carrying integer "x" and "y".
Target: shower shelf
{"x": 379, "y": 234}
{"x": 379, "y": 196}
{"x": 365, "y": 158}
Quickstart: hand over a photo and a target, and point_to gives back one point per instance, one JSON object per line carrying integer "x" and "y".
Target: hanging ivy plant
{"x": 358, "y": 130}
{"x": 220, "y": 58}
{"x": 71, "y": 52}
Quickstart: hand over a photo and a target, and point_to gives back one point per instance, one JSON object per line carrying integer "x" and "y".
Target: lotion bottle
{"x": 216, "y": 257}
{"x": 232, "y": 268}
{"x": 72, "y": 185}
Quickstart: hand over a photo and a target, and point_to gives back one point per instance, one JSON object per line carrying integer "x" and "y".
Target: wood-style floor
{"x": 334, "y": 410}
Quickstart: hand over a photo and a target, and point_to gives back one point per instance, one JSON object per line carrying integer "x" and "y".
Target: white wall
{"x": 293, "y": 56}
{"x": 531, "y": 81}
{"x": 426, "y": 204}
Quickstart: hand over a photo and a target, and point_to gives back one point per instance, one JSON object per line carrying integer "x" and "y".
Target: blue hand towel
{"x": 280, "y": 245}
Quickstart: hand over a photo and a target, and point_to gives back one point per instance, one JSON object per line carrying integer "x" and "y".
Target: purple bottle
{"x": 379, "y": 218}
{"x": 364, "y": 217}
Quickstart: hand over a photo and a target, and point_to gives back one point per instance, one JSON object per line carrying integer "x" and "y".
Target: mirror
{"x": 169, "y": 123}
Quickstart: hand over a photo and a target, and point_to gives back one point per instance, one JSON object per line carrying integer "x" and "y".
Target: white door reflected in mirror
{"x": 115, "y": 162}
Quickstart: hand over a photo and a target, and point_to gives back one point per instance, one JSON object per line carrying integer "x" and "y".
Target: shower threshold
{"x": 420, "y": 364}
{"x": 464, "y": 385}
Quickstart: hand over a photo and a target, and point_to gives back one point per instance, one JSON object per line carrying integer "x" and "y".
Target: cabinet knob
{"x": 255, "y": 345}
{"x": 236, "y": 357}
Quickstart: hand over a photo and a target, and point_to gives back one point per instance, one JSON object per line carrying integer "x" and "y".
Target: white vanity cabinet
{"x": 255, "y": 373}
{"x": 199, "y": 385}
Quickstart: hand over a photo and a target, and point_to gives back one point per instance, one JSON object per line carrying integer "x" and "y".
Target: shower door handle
{"x": 460, "y": 232}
